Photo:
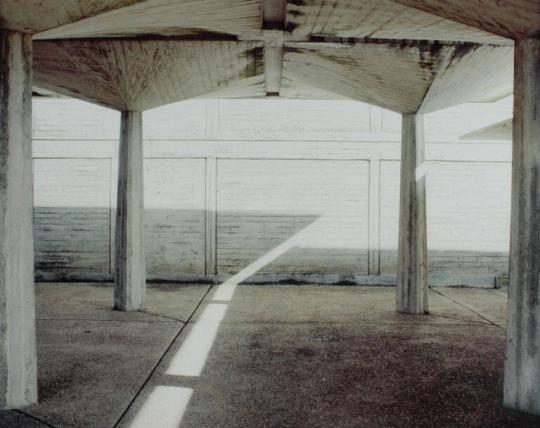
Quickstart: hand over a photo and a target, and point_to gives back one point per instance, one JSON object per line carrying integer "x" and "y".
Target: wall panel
{"x": 72, "y": 221}
{"x": 323, "y": 173}
{"x": 468, "y": 220}
{"x": 319, "y": 207}
{"x": 175, "y": 217}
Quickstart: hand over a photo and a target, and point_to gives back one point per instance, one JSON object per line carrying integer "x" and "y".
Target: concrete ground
{"x": 274, "y": 356}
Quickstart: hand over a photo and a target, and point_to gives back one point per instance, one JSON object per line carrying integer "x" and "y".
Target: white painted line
{"x": 226, "y": 290}
{"x": 164, "y": 408}
{"x": 191, "y": 358}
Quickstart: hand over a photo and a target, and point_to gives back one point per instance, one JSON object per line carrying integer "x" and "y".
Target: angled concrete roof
{"x": 404, "y": 55}
{"x": 129, "y": 74}
{"x": 498, "y": 131}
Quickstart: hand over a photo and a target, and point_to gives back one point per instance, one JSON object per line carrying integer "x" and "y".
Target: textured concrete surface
{"x": 16, "y": 419}
{"x": 18, "y": 383}
{"x": 130, "y": 270}
{"x": 341, "y": 356}
{"x": 80, "y": 301}
{"x": 412, "y": 280}
{"x": 93, "y": 360}
{"x": 283, "y": 356}
{"x": 522, "y": 369}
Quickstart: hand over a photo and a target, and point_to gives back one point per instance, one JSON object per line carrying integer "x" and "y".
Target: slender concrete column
{"x": 522, "y": 368}
{"x": 18, "y": 360}
{"x": 130, "y": 273}
{"x": 412, "y": 251}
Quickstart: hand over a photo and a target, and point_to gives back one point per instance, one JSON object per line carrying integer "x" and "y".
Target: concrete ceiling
{"x": 383, "y": 19}
{"x": 403, "y": 55}
{"x": 393, "y": 76}
{"x": 498, "y": 131}
{"x": 201, "y": 18}
{"x": 139, "y": 75}
{"x": 514, "y": 19}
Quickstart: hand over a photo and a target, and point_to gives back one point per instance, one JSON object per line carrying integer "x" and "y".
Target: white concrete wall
{"x": 227, "y": 181}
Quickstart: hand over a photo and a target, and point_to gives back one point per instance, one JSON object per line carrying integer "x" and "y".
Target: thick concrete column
{"x": 130, "y": 272}
{"x": 18, "y": 360}
{"x": 522, "y": 368}
{"x": 412, "y": 250}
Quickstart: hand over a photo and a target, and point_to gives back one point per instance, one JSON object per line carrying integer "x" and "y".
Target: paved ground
{"x": 283, "y": 356}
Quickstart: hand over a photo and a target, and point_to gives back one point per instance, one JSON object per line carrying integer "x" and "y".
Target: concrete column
{"x": 130, "y": 272}
{"x": 522, "y": 368}
{"x": 18, "y": 360}
{"x": 412, "y": 250}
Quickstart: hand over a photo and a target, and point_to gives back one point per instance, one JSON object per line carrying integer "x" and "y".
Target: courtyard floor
{"x": 270, "y": 356}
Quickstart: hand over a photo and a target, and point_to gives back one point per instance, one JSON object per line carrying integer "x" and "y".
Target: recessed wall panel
{"x": 300, "y": 216}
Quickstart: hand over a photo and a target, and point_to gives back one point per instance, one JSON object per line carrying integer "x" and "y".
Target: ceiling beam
{"x": 273, "y": 69}
{"x": 274, "y": 13}
{"x": 274, "y": 17}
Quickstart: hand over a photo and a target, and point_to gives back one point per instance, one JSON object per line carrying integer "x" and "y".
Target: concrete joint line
{"x": 470, "y": 309}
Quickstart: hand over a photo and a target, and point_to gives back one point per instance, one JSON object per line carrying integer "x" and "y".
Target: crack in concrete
{"x": 490, "y": 321}
{"x": 35, "y": 418}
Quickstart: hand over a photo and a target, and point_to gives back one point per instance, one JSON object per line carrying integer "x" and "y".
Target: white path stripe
{"x": 164, "y": 408}
{"x": 226, "y": 290}
{"x": 191, "y": 358}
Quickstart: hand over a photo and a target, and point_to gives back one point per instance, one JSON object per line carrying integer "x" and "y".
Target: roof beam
{"x": 273, "y": 69}
{"x": 274, "y": 16}
{"x": 274, "y": 13}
